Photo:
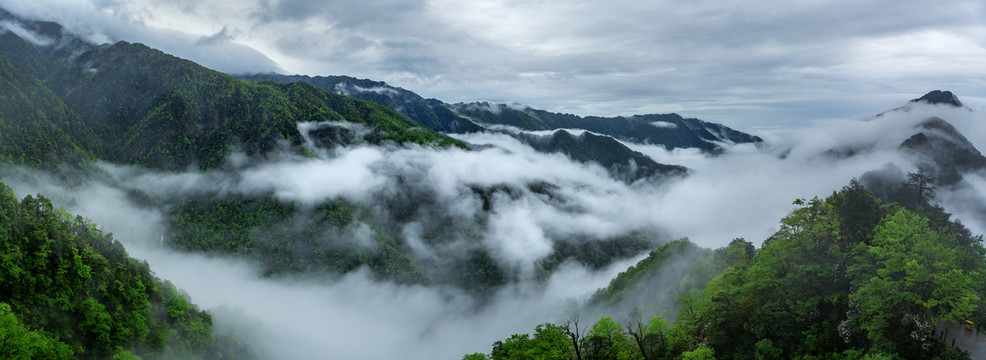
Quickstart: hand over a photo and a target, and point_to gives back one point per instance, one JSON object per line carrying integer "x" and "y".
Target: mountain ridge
{"x": 153, "y": 109}
{"x": 679, "y": 132}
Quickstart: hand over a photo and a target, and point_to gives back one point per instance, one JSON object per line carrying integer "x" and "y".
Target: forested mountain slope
{"x": 132, "y": 105}
{"x": 36, "y": 128}
{"x": 152, "y": 109}
{"x": 68, "y": 290}
{"x": 428, "y": 112}
{"x": 604, "y": 150}
{"x": 846, "y": 277}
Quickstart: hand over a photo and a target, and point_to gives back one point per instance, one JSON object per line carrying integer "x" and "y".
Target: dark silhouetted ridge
{"x": 940, "y": 97}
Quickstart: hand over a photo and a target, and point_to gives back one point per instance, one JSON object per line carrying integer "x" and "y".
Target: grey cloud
{"x": 219, "y": 37}
{"x": 346, "y": 13}
{"x": 754, "y": 61}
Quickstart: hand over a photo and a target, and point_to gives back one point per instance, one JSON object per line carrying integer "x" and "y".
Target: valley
{"x": 312, "y": 217}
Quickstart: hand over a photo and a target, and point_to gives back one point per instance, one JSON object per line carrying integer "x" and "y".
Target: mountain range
{"x": 671, "y": 131}
{"x": 339, "y": 180}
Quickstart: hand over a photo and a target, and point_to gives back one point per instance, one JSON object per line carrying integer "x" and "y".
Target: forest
{"x": 850, "y": 276}
{"x": 70, "y": 290}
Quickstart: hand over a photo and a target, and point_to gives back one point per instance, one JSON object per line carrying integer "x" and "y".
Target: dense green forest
{"x": 69, "y": 290}
{"x": 847, "y": 277}
{"x": 36, "y": 128}
{"x": 127, "y": 103}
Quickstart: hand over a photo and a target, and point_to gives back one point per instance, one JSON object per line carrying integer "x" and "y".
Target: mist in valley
{"x": 743, "y": 192}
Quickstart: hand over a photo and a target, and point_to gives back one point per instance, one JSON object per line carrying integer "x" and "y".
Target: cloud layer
{"x": 744, "y": 64}
{"x": 742, "y": 193}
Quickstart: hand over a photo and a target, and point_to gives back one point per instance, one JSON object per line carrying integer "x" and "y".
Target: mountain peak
{"x": 940, "y": 97}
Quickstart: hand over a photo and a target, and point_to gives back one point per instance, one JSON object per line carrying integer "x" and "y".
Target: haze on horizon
{"x": 764, "y": 65}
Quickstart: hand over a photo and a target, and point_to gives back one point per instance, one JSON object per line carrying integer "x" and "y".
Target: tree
{"x": 606, "y": 340}
{"x": 17, "y": 342}
{"x": 575, "y": 335}
{"x": 703, "y": 352}
{"x": 921, "y": 184}
{"x": 913, "y": 283}
{"x": 549, "y": 342}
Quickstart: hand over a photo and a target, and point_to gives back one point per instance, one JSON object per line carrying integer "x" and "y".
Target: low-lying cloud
{"x": 353, "y": 316}
{"x": 741, "y": 193}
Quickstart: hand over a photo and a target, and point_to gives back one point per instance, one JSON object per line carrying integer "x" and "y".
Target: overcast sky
{"x": 748, "y": 64}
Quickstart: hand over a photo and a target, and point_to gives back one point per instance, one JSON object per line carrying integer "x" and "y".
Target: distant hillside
{"x": 943, "y": 150}
{"x": 936, "y": 146}
{"x": 36, "y": 128}
{"x": 428, "y": 112}
{"x": 669, "y": 130}
{"x": 622, "y": 163}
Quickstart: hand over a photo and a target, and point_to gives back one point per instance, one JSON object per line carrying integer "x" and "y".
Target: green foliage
{"x": 907, "y": 280}
{"x": 36, "y": 128}
{"x": 17, "y": 342}
{"x": 655, "y": 283}
{"x": 846, "y": 277}
{"x": 549, "y": 342}
{"x": 703, "y": 352}
{"x": 476, "y": 356}
{"x": 847, "y": 273}
{"x": 64, "y": 279}
{"x": 608, "y": 340}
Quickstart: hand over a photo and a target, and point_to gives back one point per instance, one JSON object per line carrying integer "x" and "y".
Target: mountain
{"x": 428, "y": 112}
{"x": 620, "y": 161}
{"x": 669, "y": 130}
{"x": 129, "y": 104}
{"x": 936, "y": 97}
{"x": 36, "y": 128}
{"x": 932, "y": 144}
{"x": 149, "y": 108}
{"x": 943, "y": 151}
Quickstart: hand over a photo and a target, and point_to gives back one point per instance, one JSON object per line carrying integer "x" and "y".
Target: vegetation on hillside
{"x": 331, "y": 238}
{"x": 36, "y": 128}
{"x": 846, "y": 277}
{"x": 68, "y": 290}
{"x": 131, "y": 104}
{"x": 431, "y": 113}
